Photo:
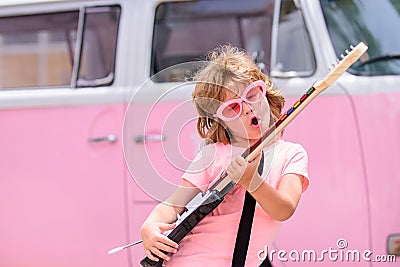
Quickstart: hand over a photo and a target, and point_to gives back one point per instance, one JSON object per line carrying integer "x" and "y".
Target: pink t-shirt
{"x": 212, "y": 241}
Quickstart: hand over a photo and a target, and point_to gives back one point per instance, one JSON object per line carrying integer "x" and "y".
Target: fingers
{"x": 239, "y": 164}
{"x": 150, "y": 255}
{"x": 157, "y": 244}
{"x": 166, "y": 226}
{"x": 153, "y": 252}
{"x": 236, "y": 169}
{"x": 162, "y": 238}
{"x": 242, "y": 172}
{"x": 167, "y": 241}
{"x": 161, "y": 249}
{"x": 166, "y": 248}
{"x": 240, "y": 161}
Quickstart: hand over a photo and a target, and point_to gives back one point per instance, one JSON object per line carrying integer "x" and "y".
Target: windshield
{"x": 376, "y": 23}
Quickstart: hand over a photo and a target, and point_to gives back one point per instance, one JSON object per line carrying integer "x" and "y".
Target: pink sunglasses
{"x": 231, "y": 109}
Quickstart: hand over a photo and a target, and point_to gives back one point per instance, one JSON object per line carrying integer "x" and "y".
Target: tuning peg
{"x": 341, "y": 56}
{"x": 347, "y": 51}
{"x": 337, "y": 61}
{"x": 333, "y": 66}
{"x": 351, "y": 46}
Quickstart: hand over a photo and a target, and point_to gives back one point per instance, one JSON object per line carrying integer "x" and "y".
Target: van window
{"x": 376, "y": 23}
{"x": 35, "y": 50}
{"x": 186, "y": 31}
{"x": 40, "y": 50}
{"x": 294, "y": 52}
{"x": 99, "y": 46}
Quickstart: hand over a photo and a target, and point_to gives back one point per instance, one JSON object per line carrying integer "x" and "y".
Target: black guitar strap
{"x": 246, "y": 222}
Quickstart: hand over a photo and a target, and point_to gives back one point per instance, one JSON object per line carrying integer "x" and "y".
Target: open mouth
{"x": 254, "y": 122}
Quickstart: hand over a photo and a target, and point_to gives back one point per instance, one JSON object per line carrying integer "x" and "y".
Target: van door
{"x": 62, "y": 176}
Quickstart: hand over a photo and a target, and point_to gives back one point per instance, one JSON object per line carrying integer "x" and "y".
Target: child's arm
{"x": 279, "y": 204}
{"x": 161, "y": 219}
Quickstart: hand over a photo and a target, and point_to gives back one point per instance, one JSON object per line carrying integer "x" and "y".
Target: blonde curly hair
{"x": 230, "y": 68}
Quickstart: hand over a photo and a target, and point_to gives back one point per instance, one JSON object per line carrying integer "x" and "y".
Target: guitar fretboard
{"x": 272, "y": 130}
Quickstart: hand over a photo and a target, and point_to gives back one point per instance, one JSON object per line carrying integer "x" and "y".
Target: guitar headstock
{"x": 346, "y": 61}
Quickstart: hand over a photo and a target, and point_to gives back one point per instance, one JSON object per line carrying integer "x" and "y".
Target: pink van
{"x": 96, "y": 127}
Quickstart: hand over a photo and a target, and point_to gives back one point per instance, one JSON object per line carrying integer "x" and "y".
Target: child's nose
{"x": 246, "y": 108}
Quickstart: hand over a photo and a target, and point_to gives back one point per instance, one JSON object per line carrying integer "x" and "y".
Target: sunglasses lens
{"x": 254, "y": 95}
{"x": 232, "y": 110}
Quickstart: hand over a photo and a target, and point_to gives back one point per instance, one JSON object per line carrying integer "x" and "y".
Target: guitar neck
{"x": 224, "y": 184}
{"x": 270, "y": 136}
{"x": 316, "y": 89}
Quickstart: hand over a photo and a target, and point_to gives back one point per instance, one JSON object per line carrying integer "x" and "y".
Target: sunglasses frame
{"x": 240, "y": 100}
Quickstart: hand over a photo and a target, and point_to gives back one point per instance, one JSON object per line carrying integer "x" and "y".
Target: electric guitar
{"x": 204, "y": 203}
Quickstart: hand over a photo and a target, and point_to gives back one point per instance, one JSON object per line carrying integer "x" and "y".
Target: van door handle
{"x": 140, "y": 139}
{"x": 111, "y": 138}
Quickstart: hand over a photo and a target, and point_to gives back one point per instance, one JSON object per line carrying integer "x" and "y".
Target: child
{"x": 236, "y": 104}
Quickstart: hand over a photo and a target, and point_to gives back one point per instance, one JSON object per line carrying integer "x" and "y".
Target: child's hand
{"x": 154, "y": 242}
{"x": 245, "y": 173}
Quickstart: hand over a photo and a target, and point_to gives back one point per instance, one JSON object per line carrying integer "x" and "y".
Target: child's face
{"x": 252, "y": 119}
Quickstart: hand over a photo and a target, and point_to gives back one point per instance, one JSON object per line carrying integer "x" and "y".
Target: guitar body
{"x": 198, "y": 208}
